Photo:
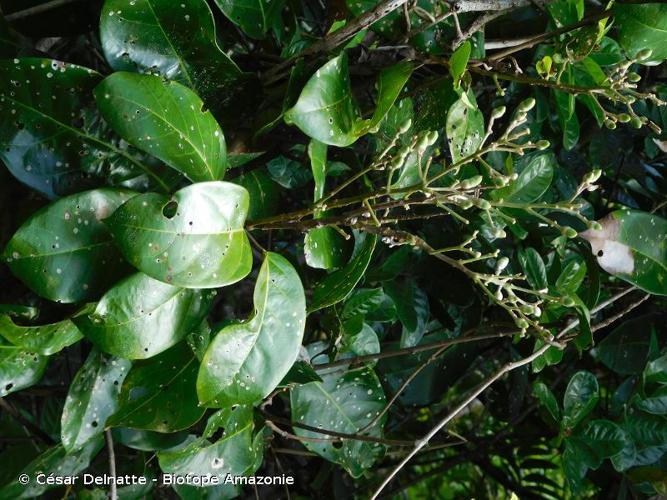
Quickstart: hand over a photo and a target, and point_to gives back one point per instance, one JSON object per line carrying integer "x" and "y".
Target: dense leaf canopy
{"x": 384, "y": 248}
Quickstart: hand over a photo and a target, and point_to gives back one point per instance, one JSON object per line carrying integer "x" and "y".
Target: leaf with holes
{"x": 51, "y": 137}
{"x": 235, "y": 453}
{"x": 246, "y": 361}
{"x": 64, "y": 253}
{"x": 195, "y": 239}
{"x": 254, "y": 17}
{"x": 176, "y": 40}
{"x": 92, "y": 398}
{"x": 19, "y": 368}
{"x": 343, "y": 402}
{"x": 141, "y": 317}
{"x": 325, "y": 110}
{"x": 53, "y": 459}
{"x": 166, "y": 120}
{"x": 43, "y": 339}
{"x": 339, "y": 284}
{"x": 159, "y": 393}
{"x": 633, "y": 246}
{"x": 465, "y": 127}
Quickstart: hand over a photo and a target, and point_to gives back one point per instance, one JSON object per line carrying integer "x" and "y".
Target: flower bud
{"x": 498, "y": 112}
{"x": 633, "y": 77}
{"x": 526, "y": 105}
{"x": 610, "y": 124}
{"x": 502, "y": 263}
{"x": 465, "y": 204}
{"x": 542, "y": 144}
{"x": 595, "y": 226}
{"x": 522, "y": 323}
{"x": 635, "y": 122}
{"x": 482, "y": 203}
{"x": 592, "y": 176}
{"x": 623, "y": 117}
{"x": 567, "y": 301}
{"x": 500, "y": 233}
{"x": 644, "y": 54}
{"x": 405, "y": 126}
{"x": 568, "y": 232}
{"x": 471, "y": 182}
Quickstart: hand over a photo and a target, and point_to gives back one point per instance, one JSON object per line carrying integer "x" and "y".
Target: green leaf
{"x": 533, "y": 181}
{"x": 176, "y": 40}
{"x": 235, "y": 453}
{"x": 19, "y": 368}
{"x": 465, "y": 127}
{"x": 344, "y": 402}
{"x": 43, "y": 339}
{"x": 263, "y": 193}
{"x": 571, "y": 277}
{"x": 254, "y": 17}
{"x": 288, "y": 173}
{"x": 552, "y": 356}
{"x": 338, "y": 285}
{"x": 325, "y": 110}
{"x": 642, "y": 27}
{"x": 166, "y": 120}
{"x": 141, "y": 317}
{"x": 51, "y": 137}
{"x": 655, "y": 402}
{"x": 633, "y": 246}
{"x": 649, "y": 435}
{"x": 246, "y": 361}
{"x": 300, "y": 373}
{"x": 91, "y": 399}
{"x": 324, "y": 247}
{"x": 580, "y": 398}
{"x": 63, "y": 252}
{"x": 363, "y": 301}
{"x": 605, "y": 438}
{"x": 625, "y": 350}
{"x": 361, "y": 339}
{"x": 147, "y": 440}
{"x": 413, "y": 310}
{"x": 656, "y": 371}
{"x": 159, "y": 393}
{"x": 547, "y": 400}
{"x": 533, "y": 266}
{"x": 390, "y": 83}
{"x": 459, "y": 61}
{"x": 53, "y": 459}
{"x": 195, "y": 239}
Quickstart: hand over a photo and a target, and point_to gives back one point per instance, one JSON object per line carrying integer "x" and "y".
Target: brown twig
{"x": 113, "y": 493}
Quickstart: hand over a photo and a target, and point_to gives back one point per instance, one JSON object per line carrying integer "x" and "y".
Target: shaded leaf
{"x": 42, "y": 339}
{"x": 63, "y": 252}
{"x": 159, "y": 393}
{"x": 141, "y": 317}
{"x": 642, "y": 27}
{"x": 581, "y": 396}
{"x": 19, "y": 368}
{"x": 92, "y": 398}
{"x": 254, "y": 17}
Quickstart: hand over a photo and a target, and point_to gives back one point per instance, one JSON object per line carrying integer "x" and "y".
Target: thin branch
{"x": 476, "y": 25}
{"x": 337, "y": 38}
{"x": 411, "y": 350}
{"x": 113, "y": 493}
{"x": 478, "y": 391}
{"x": 37, "y": 9}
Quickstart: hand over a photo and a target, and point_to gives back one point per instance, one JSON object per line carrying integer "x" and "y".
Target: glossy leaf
{"x": 642, "y": 27}
{"x": 290, "y": 174}
{"x": 547, "y": 400}
{"x": 166, "y": 120}
{"x": 254, "y": 17}
{"x": 338, "y": 285}
{"x": 159, "y": 393}
{"x": 53, "y": 459}
{"x": 264, "y": 193}
{"x": 390, "y": 83}
{"x": 532, "y": 182}
{"x": 344, "y": 402}
{"x": 362, "y": 302}
{"x": 19, "y": 368}
{"x": 325, "y": 110}
{"x": 63, "y": 252}
{"x": 581, "y": 396}
{"x": 42, "y": 339}
{"x": 246, "y": 361}
{"x": 141, "y": 317}
{"x": 465, "y": 127}
{"x": 633, "y": 246}
{"x": 459, "y": 61}
{"x": 234, "y": 453}
{"x": 626, "y": 349}
{"x": 413, "y": 310}
{"x": 51, "y": 137}
{"x": 195, "y": 239}
{"x": 176, "y": 40}
{"x": 92, "y": 398}
{"x": 534, "y": 269}
{"x": 147, "y": 440}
